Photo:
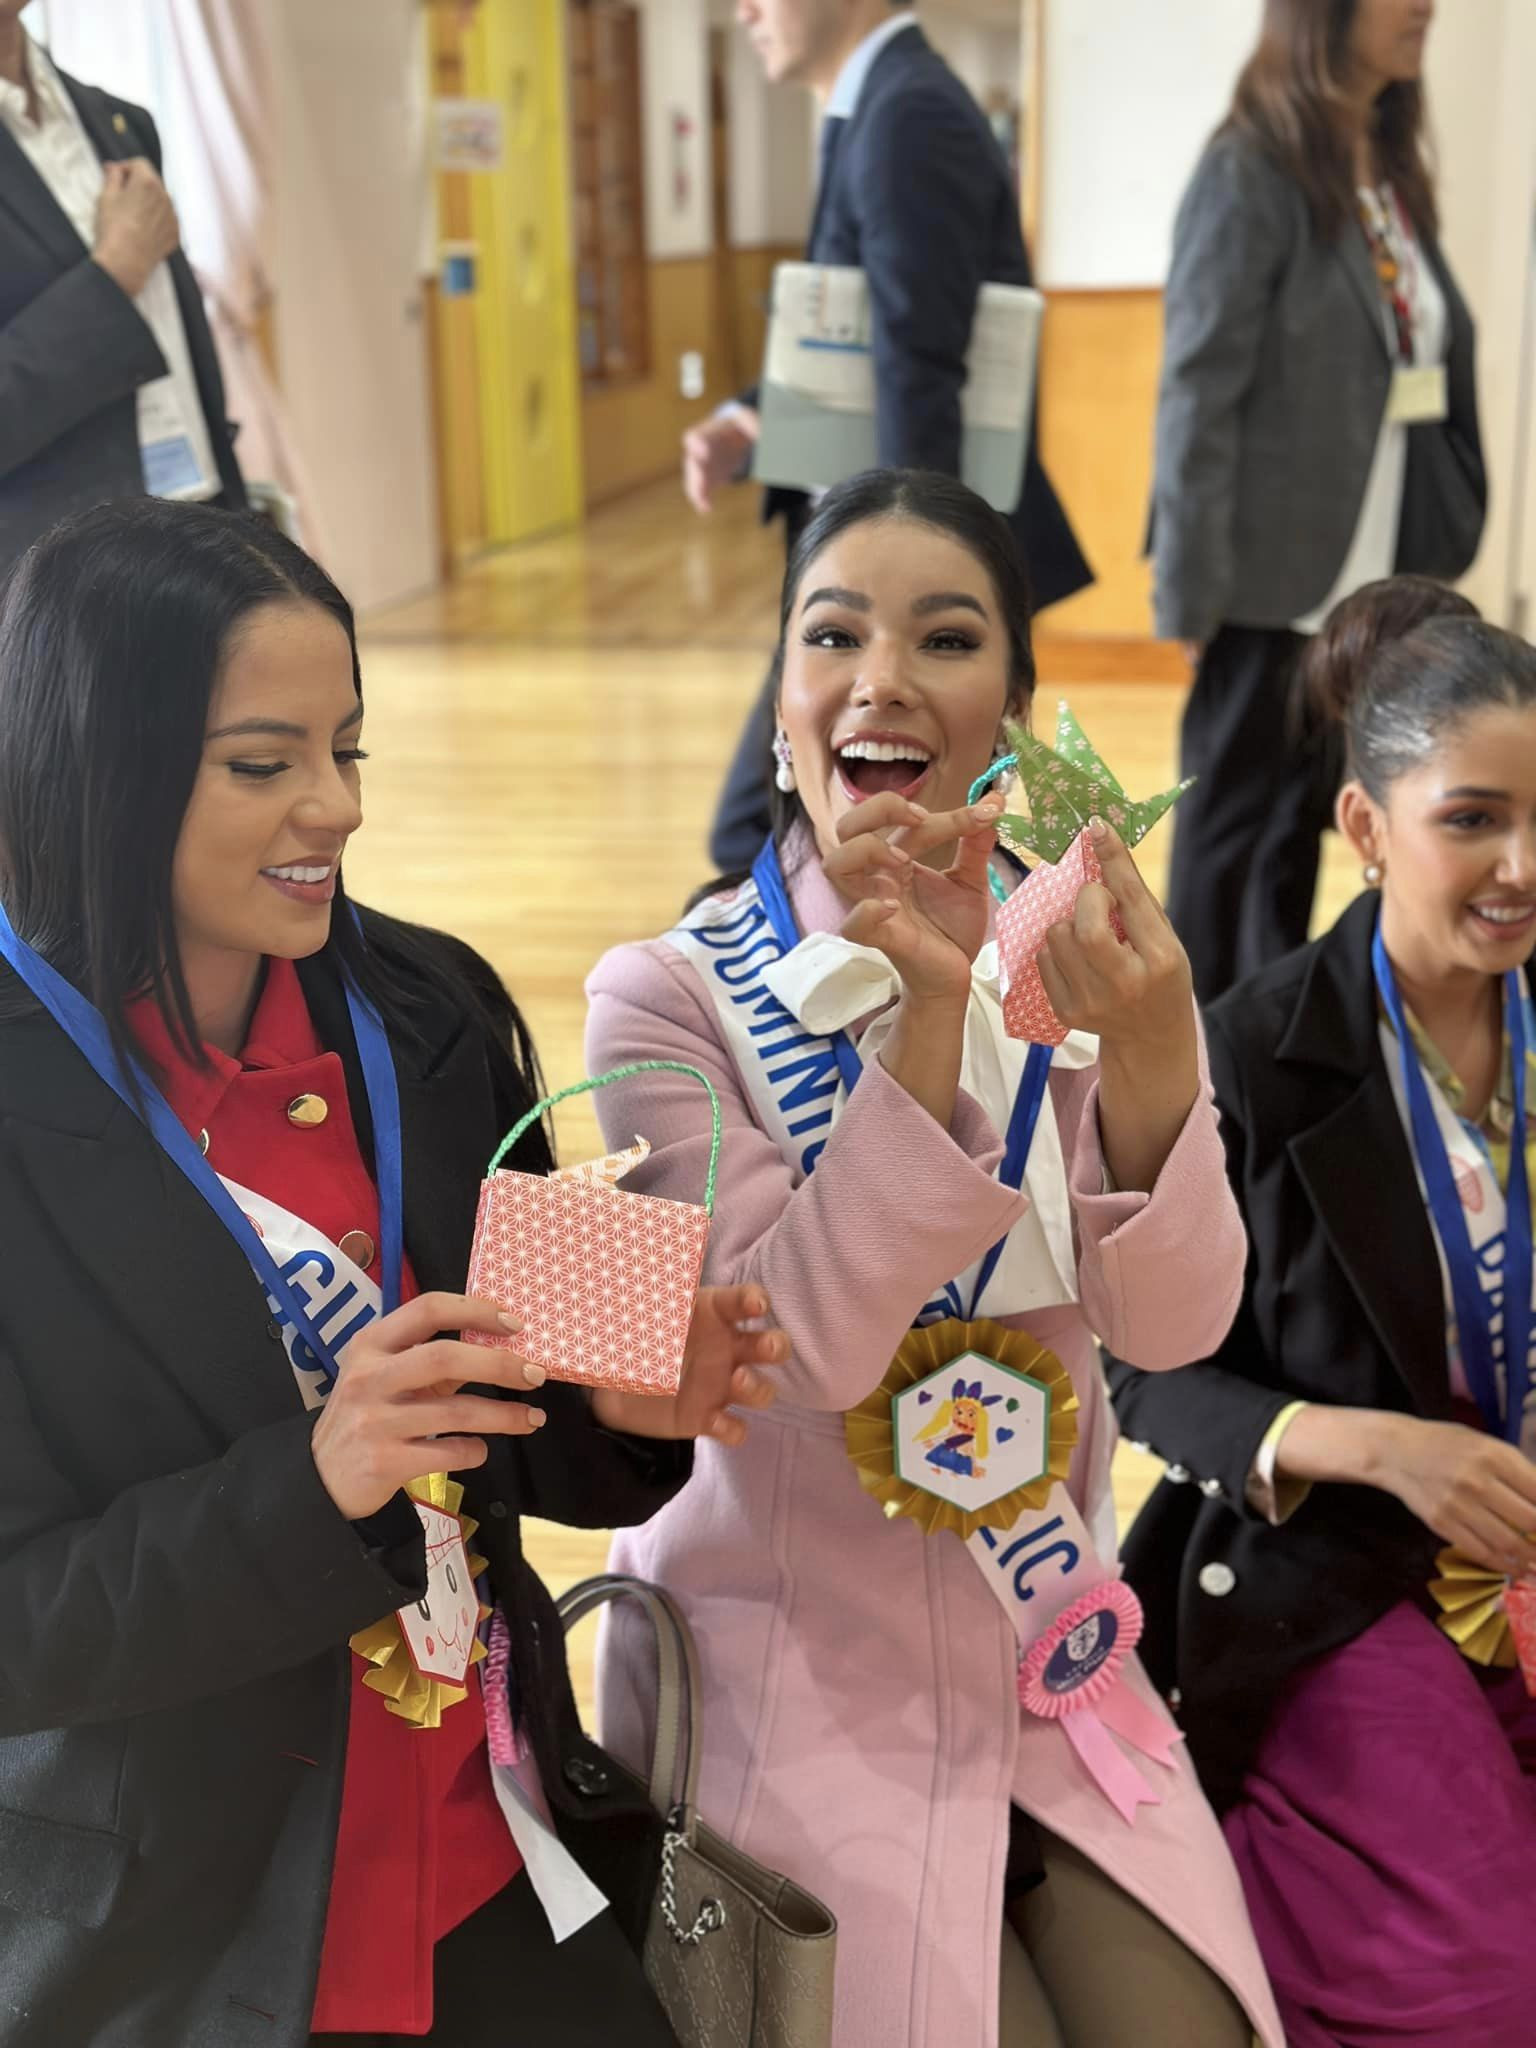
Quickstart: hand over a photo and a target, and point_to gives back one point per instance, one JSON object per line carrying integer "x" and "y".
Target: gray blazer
{"x": 1276, "y": 370}
{"x": 74, "y": 349}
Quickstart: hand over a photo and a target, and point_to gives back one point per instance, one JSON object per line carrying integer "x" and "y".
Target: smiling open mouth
{"x": 1507, "y": 920}
{"x": 873, "y": 767}
{"x": 304, "y": 881}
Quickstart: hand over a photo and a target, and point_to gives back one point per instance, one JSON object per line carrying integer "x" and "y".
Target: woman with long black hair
{"x": 1316, "y": 429}
{"x": 243, "y": 1132}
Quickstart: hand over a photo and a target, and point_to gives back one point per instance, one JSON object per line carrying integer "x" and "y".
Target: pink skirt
{"x": 1386, "y": 1839}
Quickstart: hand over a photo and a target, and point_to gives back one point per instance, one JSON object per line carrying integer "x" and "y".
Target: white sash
{"x": 341, "y": 1301}
{"x": 1483, "y": 1206}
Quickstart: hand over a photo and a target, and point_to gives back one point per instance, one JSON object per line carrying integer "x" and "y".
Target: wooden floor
{"x": 546, "y": 739}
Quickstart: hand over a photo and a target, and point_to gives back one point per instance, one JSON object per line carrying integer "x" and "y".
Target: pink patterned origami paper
{"x": 603, "y": 1281}
{"x": 1047, "y": 896}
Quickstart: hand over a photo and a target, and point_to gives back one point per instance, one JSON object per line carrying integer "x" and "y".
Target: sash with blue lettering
{"x": 1490, "y": 1287}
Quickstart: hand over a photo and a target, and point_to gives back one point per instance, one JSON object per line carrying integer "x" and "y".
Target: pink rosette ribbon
{"x": 505, "y": 1742}
{"x": 1071, "y": 1674}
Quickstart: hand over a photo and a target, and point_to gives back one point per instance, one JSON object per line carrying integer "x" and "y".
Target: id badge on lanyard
{"x": 1487, "y": 1324}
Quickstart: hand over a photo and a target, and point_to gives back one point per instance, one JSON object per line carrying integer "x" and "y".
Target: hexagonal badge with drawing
{"x": 972, "y": 1432}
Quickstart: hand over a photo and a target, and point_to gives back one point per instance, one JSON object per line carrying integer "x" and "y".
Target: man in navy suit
{"x": 915, "y": 192}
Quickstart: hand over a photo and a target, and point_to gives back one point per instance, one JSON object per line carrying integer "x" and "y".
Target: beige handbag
{"x": 738, "y": 1956}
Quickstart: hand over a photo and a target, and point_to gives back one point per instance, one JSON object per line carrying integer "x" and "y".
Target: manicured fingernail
{"x": 1098, "y": 831}
{"x": 757, "y": 1305}
{"x": 992, "y": 801}
{"x": 536, "y": 1418}
{"x": 916, "y": 812}
{"x": 534, "y": 1375}
{"x": 511, "y": 1324}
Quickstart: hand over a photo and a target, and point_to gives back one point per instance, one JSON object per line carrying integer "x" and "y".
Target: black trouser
{"x": 499, "y": 1981}
{"x": 742, "y": 820}
{"x": 1246, "y": 837}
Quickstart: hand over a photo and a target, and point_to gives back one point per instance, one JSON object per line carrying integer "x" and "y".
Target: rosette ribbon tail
{"x": 1111, "y": 1769}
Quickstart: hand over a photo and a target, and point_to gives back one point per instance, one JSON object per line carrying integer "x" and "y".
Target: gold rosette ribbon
{"x": 1471, "y": 1603}
{"x": 870, "y": 1435}
{"x": 406, "y": 1691}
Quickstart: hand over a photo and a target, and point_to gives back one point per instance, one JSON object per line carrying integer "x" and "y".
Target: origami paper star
{"x": 1067, "y": 785}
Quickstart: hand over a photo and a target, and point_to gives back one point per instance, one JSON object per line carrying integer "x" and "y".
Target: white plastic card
{"x": 1418, "y": 395}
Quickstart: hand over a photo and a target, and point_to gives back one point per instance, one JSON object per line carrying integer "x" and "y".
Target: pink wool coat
{"x": 862, "y": 1728}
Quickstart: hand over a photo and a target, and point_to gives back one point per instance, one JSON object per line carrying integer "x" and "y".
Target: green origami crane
{"x": 1066, "y": 786}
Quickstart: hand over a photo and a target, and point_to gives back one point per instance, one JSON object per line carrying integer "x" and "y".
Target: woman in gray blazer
{"x": 1316, "y": 429}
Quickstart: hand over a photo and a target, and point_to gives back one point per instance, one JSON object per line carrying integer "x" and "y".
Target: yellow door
{"x": 527, "y": 306}
{"x": 512, "y": 446}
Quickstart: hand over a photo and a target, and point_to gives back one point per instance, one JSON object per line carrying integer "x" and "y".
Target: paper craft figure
{"x": 961, "y": 1425}
{"x": 1064, "y": 786}
{"x": 1067, "y": 785}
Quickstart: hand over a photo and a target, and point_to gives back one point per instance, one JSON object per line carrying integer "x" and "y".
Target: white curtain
{"x": 216, "y": 86}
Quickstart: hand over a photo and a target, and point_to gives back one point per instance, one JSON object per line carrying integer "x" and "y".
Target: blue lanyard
{"x": 1025, "y": 1115}
{"x": 85, "y": 1026}
{"x": 1475, "y": 1312}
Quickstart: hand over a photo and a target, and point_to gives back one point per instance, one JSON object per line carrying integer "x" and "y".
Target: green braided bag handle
{"x": 623, "y": 1074}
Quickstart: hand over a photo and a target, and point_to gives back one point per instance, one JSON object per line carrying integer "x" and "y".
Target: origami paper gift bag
{"x": 602, "y": 1280}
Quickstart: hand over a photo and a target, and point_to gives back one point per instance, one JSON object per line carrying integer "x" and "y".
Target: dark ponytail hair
{"x": 1402, "y": 662}
{"x": 949, "y": 507}
{"x": 113, "y": 631}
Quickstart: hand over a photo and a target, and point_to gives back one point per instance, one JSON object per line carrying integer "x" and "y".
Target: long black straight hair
{"x": 951, "y": 508}
{"x": 114, "y": 628}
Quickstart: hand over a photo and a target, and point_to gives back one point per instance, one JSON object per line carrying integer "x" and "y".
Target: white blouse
{"x": 1373, "y": 551}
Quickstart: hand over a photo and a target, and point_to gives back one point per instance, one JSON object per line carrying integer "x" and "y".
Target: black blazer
{"x": 177, "y": 1589}
{"x": 74, "y": 349}
{"x": 1342, "y": 1303}
{"x": 918, "y": 195}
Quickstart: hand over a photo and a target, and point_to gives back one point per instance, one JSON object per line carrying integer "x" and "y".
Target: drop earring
{"x": 784, "y": 772}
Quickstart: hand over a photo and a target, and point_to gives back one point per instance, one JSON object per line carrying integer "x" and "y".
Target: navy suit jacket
{"x": 918, "y": 196}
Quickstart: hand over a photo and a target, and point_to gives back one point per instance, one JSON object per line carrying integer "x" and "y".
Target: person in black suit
{"x": 212, "y": 1829}
{"x": 914, "y": 191}
{"x": 1351, "y": 1484}
{"x": 109, "y": 382}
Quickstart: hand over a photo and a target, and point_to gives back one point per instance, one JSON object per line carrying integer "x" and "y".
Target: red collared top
{"x": 421, "y": 1842}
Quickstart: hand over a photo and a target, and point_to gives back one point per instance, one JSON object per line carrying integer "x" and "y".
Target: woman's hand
{"x": 1472, "y": 1490}
{"x": 929, "y": 923}
{"x": 1136, "y": 995}
{"x": 398, "y": 1410}
{"x": 719, "y": 1373}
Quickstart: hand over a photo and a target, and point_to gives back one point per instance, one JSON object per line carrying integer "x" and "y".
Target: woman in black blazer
{"x": 1350, "y": 1485}
{"x": 205, "y": 1810}
{"x": 1316, "y": 429}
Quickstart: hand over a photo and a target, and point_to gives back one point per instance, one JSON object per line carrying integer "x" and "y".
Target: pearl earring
{"x": 1371, "y": 874}
{"x": 784, "y": 773}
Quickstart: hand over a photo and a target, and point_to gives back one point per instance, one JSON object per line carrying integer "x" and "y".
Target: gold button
{"x": 307, "y": 1111}
{"x": 357, "y": 1246}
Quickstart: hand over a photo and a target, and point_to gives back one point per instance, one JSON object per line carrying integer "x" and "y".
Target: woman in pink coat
{"x": 863, "y": 1721}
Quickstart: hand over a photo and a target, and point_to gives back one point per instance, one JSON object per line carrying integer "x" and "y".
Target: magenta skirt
{"x": 1387, "y": 1843}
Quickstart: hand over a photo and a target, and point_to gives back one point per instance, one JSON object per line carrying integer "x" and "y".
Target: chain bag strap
{"x": 734, "y": 1951}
